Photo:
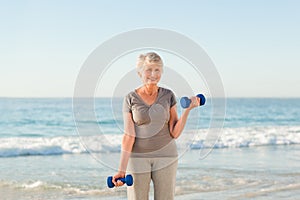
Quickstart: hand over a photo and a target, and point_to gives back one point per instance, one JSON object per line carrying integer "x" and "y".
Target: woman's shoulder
{"x": 130, "y": 94}
{"x": 166, "y": 91}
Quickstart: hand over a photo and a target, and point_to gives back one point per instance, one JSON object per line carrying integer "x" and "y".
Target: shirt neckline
{"x": 149, "y": 105}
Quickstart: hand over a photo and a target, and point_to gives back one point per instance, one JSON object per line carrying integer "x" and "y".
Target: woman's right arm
{"x": 127, "y": 144}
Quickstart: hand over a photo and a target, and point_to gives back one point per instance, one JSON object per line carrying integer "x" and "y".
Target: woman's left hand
{"x": 195, "y": 102}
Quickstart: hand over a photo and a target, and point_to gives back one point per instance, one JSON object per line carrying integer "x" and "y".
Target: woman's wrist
{"x": 187, "y": 110}
{"x": 121, "y": 172}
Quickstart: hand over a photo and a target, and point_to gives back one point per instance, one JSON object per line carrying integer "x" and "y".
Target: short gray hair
{"x": 148, "y": 58}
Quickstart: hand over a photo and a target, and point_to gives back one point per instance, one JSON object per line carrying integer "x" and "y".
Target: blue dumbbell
{"x": 128, "y": 180}
{"x": 185, "y": 101}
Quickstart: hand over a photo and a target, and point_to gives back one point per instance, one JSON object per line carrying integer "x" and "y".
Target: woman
{"x": 151, "y": 124}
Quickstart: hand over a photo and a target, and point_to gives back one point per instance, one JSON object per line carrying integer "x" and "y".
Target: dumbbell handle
{"x": 121, "y": 179}
{"x": 185, "y": 101}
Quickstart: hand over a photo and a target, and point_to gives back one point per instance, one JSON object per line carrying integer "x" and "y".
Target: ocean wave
{"x": 248, "y": 137}
{"x": 41, "y": 186}
{"x": 25, "y": 146}
{"x": 106, "y": 143}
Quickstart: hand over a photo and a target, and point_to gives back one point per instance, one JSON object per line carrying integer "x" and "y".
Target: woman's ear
{"x": 140, "y": 75}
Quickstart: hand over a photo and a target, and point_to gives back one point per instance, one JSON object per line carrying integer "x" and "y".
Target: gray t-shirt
{"x": 151, "y": 123}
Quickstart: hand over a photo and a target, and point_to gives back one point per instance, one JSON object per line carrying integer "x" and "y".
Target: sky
{"x": 253, "y": 44}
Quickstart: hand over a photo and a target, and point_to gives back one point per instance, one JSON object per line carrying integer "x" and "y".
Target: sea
{"x": 43, "y": 154}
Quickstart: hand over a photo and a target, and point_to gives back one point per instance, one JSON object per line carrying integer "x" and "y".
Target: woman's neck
{"x": 150, "y": 89}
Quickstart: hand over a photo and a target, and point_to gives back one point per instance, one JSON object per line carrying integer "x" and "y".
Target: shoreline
{"x": 266, "y": 172}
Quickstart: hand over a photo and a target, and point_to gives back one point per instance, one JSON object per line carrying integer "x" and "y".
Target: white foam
{"x": 58, "y": 145}
{"x": 247, "y": 137}
{"x": 33, "y": 185}
{"x": 229, "y": 138}
{"x": 67, "y": 188}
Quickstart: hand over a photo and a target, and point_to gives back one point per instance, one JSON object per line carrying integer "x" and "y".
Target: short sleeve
{"x": 173, "y": 99}
{"x": 127, "y": 104}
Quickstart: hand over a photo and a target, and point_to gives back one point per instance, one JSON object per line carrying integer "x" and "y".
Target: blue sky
{"x": 254, "y": 44}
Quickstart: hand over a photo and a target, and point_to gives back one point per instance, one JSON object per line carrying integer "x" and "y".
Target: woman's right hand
{"x": 116, "y": 176}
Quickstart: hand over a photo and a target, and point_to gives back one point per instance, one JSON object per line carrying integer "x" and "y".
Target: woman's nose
{"x": 153, "y": 73}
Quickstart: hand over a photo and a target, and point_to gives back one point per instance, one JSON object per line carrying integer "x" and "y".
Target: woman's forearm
{"x": 127, "y": 144}
{"x": 180, "y": 124}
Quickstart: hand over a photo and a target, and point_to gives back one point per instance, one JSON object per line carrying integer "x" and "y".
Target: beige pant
{"x": 162, "y": 171}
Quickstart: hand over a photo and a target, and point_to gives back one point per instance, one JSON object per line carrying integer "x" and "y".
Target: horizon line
{"x": 67, "y": 97}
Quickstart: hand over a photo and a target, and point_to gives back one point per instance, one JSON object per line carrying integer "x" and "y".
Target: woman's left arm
{"x": 176, "y": 125}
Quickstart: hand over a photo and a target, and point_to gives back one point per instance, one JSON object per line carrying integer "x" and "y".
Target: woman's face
{"x": 151, "y": 74}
